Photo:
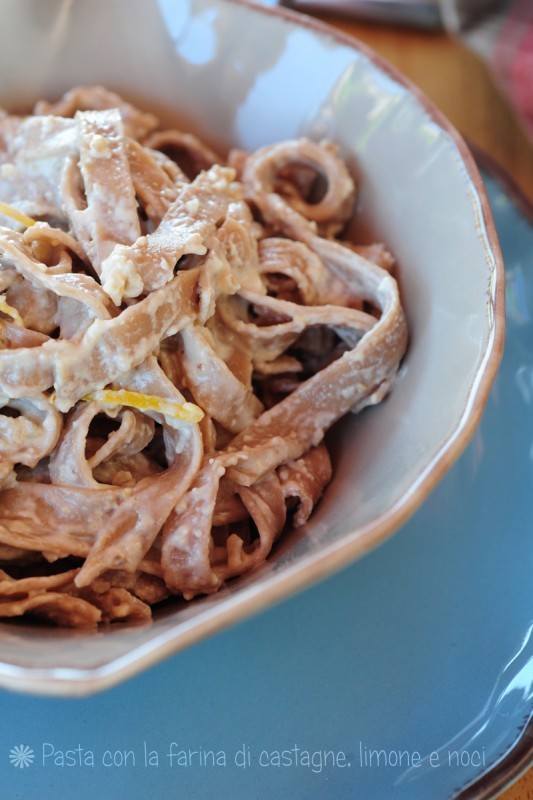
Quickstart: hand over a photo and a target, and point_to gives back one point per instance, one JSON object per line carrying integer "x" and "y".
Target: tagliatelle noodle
{"x": 176, "y": 337}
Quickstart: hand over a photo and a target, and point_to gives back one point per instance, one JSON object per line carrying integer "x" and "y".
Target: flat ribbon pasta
{"x": 177, "y": 334}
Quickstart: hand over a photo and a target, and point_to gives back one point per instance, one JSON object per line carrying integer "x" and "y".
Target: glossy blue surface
{"x": 420, "y": 653}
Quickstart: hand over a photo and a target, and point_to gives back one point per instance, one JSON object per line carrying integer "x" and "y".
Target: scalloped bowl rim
{"x": 252, "y": 596}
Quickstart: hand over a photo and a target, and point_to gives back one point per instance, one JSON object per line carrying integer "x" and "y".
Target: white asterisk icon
{"x": 21, "y": 756}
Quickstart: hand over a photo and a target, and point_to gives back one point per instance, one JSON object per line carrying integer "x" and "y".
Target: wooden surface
{"x": 461, "y": 85}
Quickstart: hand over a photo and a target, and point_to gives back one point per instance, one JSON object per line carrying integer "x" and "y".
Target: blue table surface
{"x": 401, "y": 678}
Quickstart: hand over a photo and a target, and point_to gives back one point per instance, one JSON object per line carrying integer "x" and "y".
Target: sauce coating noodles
{"x": 177, "y": 333}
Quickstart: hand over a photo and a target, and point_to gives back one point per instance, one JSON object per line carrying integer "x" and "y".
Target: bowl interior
{"x": 242, "y": 76}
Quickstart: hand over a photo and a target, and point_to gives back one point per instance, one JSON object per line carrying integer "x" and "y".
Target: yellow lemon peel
{"x": 5, "y": 308}
{"x": 18, "y": 216}
{"x": 187, "y": 412}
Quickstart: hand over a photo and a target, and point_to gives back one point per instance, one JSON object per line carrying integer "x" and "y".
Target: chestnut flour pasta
{"x": 177, "y": 333}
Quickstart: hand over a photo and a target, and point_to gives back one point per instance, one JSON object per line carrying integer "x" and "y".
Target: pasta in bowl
{"x": 175, "y": 348}
{"x": 123, "y": 357}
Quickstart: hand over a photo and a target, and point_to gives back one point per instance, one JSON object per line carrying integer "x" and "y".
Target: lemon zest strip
{"x": 5, "y": 308}
{"x": 18, "y": 216}
{"x": 187, "y": 412}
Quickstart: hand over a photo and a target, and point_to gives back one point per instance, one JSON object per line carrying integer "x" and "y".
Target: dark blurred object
{"x": 501, "y": 31}
{"x": 460, "y": 15}
{"x": 415, "y": 13}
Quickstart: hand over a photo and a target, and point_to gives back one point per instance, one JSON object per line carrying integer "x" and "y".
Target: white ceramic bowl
{"x": 245, "y": 76}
